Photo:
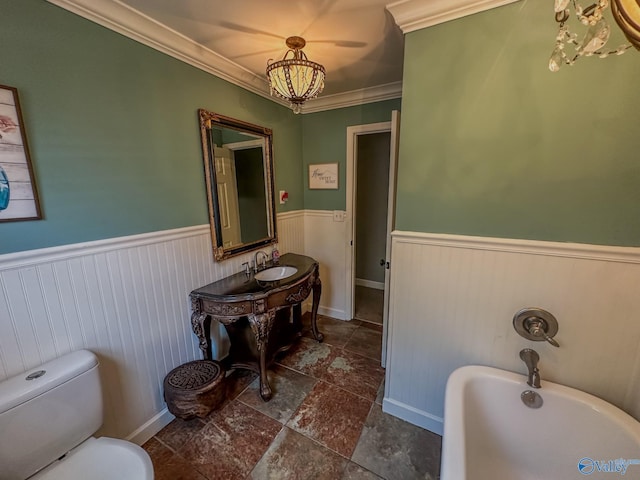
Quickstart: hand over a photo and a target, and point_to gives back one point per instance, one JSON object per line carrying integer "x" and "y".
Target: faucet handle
{"x": 247, "y": 270}
{"x": 536, "y": 324}
{"x": 551, "y": 340}
{"x": 538, "y": 331}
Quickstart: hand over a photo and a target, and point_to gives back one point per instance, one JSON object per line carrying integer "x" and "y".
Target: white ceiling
{"x": 359, "y": 42}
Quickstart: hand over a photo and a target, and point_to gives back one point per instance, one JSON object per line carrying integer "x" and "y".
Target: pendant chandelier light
{"x": 296, "y": 78}
{"x": 625, "y": 12}
{"x": 627, "y": 15}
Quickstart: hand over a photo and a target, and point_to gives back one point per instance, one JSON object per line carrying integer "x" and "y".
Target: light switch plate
{"x": 339, "y": 215}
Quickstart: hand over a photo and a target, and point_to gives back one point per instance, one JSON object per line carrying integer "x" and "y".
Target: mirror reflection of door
{"x": 252, "y": 198}
{"x": 239, "y": 181}
{"x": 227, "y": 187}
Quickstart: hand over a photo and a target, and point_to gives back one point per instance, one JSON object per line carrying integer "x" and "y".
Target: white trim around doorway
{"x": 352, "y": 144}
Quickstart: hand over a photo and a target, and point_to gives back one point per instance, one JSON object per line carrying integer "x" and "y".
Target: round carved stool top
{"x": 194, "y": 375}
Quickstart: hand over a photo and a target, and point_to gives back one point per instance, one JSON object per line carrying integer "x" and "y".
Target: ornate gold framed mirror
{"x": 238, "y": 166}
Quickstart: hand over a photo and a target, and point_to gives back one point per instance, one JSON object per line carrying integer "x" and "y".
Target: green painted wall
{"x": 324, "y": 140}
{"x": 494, "y": 144}
{"x": 113, "y": 129}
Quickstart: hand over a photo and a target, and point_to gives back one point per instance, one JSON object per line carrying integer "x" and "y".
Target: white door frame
{"x": 391, "y": 225}
{"x": 352, "y": 150}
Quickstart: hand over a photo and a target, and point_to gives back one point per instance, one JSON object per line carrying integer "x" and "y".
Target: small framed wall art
{"x": 18, "y": 194}
{"x": 323, "y": 176}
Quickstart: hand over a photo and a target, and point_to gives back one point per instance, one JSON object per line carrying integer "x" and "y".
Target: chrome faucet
{"x": 531, "y": 358}
{"x": 265, "y": 257}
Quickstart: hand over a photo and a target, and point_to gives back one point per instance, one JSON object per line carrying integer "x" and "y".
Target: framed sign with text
{"x": 323, "y": 176}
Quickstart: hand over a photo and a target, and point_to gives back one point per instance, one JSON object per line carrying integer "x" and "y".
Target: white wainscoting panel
{"x": 291, "y": 232}
{"x": 453, "y": 299}
{"x": 325, "y": 240}
{"x": 127, "y": 300}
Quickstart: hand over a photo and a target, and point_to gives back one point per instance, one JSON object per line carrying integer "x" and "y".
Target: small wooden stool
{"x": 194, "y": 389}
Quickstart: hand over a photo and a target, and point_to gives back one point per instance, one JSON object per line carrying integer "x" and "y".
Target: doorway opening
{"x": 371, "y": 209}
{"x": 372, "y": 185}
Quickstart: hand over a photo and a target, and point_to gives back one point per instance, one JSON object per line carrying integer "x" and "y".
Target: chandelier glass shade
{"x": 593, "y": 43}
{"x": 627, "y": 15}
{"x": 295, "y": 78}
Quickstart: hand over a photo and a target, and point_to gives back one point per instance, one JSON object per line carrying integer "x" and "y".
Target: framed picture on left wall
{"x": 18, "y": 194}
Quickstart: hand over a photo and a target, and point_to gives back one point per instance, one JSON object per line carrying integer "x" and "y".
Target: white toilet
{"x": 47, "y": 417}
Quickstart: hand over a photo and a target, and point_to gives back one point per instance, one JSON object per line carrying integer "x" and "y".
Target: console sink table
{"x": 239, "y": 299}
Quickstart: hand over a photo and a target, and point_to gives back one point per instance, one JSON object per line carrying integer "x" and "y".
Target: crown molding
{"x": 129, "y": 22}
{"x": 121, "y": 18}
{"x": 413, "y": 15}
{"x": 379, "y": 93}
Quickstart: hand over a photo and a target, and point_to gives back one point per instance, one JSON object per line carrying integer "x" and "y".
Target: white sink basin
{"x": 275, "y": 273}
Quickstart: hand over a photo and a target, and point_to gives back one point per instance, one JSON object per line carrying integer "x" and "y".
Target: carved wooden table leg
{"x": 317, "y": 290}
{"x": 199, "y": 324}
{"x": 296, "y": 317}
{"x": 261, "y": 326}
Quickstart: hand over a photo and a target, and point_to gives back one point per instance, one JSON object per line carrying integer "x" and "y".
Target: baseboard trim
{"x": 361, "y": 282}
{"x": 151, "y": 427}
{"x": 413, "y": 415}
{"x": 333, "y": 313}
{"x": 326, "y": 311}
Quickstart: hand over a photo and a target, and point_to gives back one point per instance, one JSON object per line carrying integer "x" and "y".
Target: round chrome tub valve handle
{"x": 537, "y": 328}
{"x": 536, "y": 324}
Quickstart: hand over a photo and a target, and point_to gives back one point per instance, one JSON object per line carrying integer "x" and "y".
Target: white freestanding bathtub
{"x": 490, "y": 434}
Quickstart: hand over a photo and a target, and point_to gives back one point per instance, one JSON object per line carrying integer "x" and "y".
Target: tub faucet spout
{"x": 531, "y": 358}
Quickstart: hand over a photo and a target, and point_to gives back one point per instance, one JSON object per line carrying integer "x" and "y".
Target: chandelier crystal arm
{"x": 625, "y": 12}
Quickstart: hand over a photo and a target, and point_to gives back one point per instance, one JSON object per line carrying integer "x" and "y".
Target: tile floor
{"x": 325, "y": 421}
{"x": 369, "y": 304}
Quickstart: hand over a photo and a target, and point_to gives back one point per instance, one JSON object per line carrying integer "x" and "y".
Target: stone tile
{"x": 369, "y": 303}
{"x": 237, "y": 382}
{"x": 356, "y": 472}
{"x": 289, "y": 389}
{"x": 168, "y": 465}
{"x": 294, "y": 456}
{"x": 179, "y": 432}
{"x": 336, "y": 332}
{"x": 372, "y": 326}
{"x": 367, "y": 342}
{"x": 309, "y": 357}
{"x": 231, "y": 443}
{"x": 393, "y": 448}
{"x": 355, "y": 373}
{"x": 331, "y": 416}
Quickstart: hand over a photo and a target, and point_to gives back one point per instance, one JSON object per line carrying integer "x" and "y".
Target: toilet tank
{"x": 47, "y": 411}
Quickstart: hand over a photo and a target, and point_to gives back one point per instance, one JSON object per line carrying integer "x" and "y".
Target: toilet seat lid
{"x": 103, "y": 458}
